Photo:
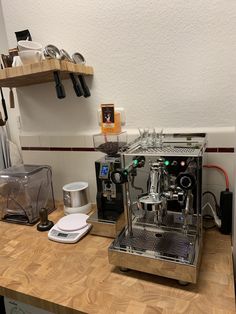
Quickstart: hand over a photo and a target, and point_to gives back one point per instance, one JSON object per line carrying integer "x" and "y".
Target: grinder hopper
{"x": 109, "y": 144}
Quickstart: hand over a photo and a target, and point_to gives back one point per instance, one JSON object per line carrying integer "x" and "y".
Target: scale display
{"x": 64, "y": 235}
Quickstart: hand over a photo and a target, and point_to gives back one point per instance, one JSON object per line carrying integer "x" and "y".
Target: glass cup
{"x": 144, "y": 133}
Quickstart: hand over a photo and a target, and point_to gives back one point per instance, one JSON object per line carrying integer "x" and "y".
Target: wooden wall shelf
{"x": 40, "y": 72}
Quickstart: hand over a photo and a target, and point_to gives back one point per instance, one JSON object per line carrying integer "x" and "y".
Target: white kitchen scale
{"x": 70, "y": 228}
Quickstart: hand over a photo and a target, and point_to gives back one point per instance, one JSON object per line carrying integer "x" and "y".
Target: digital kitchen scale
{"x": 70, "y": 228}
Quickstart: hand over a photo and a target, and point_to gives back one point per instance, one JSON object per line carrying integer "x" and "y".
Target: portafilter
{"x": 52, "y": 52}
{"x": 78, "y": 58}
{"x": 77, "y": 88}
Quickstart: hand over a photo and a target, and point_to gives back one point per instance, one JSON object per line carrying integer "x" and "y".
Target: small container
{"x": 109, "y": 143}
{"x": 75, "y": 196}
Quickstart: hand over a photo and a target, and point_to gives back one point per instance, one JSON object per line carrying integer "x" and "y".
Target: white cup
{"x": 29, "y": 45}
{"x": 16, "y": 61}
{"x": 30, "y": 56}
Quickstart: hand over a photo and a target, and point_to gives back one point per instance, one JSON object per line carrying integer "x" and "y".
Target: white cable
{"x": 217, "y": 220}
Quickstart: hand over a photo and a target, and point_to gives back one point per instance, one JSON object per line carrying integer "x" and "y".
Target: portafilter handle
{"x": 59, "y": 86}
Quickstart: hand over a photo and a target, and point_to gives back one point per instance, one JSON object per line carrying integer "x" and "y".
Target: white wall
{"x": 3, "y": 35}
{"x": 12, "y": 114}
{"x": 168, "y": 63}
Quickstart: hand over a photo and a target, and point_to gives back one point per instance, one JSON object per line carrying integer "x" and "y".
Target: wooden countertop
{"x": 73, "y": 278}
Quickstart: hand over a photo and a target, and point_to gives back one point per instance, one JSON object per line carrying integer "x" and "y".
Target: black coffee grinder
{"x": 109, "y": 196}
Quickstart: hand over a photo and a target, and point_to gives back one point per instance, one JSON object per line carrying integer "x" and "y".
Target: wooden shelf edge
{"x": 40, "y": 72}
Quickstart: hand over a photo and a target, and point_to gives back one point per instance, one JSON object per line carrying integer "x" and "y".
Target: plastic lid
{"x": 73, "y": 222}
{"x": 75, "y": 186}
{"x": 22, "y": 170}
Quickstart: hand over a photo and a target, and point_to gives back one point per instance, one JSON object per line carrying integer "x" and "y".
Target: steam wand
{"x": 120, "y": 176}
{"x": 187, "y": 210}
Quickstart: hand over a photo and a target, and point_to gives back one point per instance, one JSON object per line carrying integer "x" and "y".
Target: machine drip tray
{"x": 166, "y": 245}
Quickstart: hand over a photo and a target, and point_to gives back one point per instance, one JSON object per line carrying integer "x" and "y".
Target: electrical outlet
{"x": 119, "y": 109}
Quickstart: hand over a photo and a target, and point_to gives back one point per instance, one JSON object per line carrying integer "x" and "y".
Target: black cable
{"x": 208, "y": 218}
{"x": 211, "y": 227}
{"x": 217, "y": 207}
{"x": 211, "y": 193}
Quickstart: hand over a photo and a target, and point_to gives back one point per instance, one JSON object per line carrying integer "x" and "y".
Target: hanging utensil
{"x": 79, "y": 59}
{"x": 53, "y": 52}
{"x": 3, "y": 122}
{"x": 11, "y": 95}
{"x": 11, "y": 98}
{"x": 77, "y": 88}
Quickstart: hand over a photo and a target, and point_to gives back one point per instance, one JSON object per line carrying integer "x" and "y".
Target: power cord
{"x": 217, "y": 206}
{"x": 214, "y": 215}
{"x": 226, "y": 202}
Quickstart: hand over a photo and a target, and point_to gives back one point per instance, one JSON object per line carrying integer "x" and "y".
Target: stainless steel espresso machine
{"x": 162, "y": 178}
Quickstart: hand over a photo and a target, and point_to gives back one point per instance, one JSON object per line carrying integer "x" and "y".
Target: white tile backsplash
{"x": 216, "y": 137}
{"x": 226, "y": 161}
{"x": 79, "y": 166}
{"x": 67, "y": 167}
{"x": 30, "y": 141}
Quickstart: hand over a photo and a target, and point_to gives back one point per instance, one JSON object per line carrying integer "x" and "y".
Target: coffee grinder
{"x": 109, "y": 198}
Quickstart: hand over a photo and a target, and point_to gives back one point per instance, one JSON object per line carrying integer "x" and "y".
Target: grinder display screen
{"x": 104, "y": 171}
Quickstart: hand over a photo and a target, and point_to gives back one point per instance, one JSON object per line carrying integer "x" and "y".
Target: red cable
{"x": 222, "y": 170}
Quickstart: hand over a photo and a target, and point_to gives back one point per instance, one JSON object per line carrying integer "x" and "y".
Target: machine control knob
{"x": 186, "y": 181}
{"x": 119, "y": 176}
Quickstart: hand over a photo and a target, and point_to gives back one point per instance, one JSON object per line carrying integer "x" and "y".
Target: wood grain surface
{"x": 40, "y": 72}
{"x": 74, "y": 278}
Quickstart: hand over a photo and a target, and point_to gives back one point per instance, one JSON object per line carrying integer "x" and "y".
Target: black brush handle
{"x": 59, "y": 86}
{"x": 84, "y": 86}
{"x": 76, "y": 85}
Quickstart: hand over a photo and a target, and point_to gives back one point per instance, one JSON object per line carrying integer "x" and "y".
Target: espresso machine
{"x": 108, "y": 218}
{"x": 162, "y": 178}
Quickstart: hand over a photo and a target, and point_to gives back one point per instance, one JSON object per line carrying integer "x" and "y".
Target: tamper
{"x": 44, "y": 224}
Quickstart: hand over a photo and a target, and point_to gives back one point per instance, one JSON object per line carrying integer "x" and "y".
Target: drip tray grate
{"x": 172, "y": 245}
